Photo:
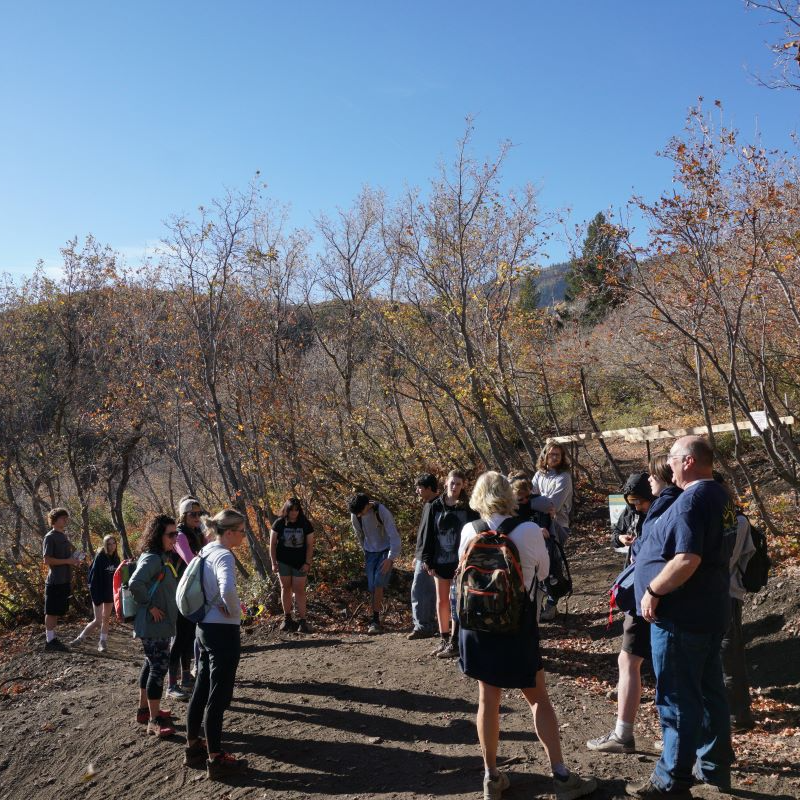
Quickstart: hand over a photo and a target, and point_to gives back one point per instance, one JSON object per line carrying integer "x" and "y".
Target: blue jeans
{"x": 423, "y": 600}
{"x": 692, "y": 706}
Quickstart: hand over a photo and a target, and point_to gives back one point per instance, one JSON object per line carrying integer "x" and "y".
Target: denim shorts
{"x": 375, "y": 580}
{"x": 288, "y": 571}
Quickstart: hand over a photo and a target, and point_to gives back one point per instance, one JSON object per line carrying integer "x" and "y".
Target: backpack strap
{"x": 376, "y": 508}
{"x": 506, "y": 527}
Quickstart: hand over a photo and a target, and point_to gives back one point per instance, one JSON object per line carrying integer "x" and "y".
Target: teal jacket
{"x": 153, "y": 567}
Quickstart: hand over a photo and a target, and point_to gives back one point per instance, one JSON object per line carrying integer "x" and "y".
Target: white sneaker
{"x": 611, "y": 743}
{"x": 574, "y": 786}
{"x": 493, "y": 788}
{"x": 102, "y": 646}
{"x": 176, "y": 693}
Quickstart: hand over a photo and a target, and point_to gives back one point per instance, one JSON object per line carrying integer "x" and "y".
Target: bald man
{"x": 682, "y": 589}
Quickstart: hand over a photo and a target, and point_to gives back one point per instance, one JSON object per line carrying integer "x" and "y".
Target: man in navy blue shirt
{"x": 682, "y": 582}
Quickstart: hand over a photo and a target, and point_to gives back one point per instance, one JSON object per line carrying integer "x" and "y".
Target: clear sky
{"x": 116, "y": 115}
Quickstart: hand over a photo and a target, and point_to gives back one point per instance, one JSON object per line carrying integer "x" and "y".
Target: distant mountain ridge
{"x": 551, "y": 284}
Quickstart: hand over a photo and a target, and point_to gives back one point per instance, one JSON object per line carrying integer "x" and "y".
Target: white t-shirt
{"x": 528, "y": 538}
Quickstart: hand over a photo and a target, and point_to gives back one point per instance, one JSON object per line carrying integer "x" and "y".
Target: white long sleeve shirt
{"x": 219, "y": 581}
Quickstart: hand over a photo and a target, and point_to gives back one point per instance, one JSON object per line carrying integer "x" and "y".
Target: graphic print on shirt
{"x": 448, "y": 536}
{"x": 293, "y": 537}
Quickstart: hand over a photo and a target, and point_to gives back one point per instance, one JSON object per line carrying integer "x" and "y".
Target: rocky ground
{"x": 342, "y": 714}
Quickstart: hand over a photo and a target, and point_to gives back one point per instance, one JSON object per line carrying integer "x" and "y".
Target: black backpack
{"x": 756, "y": 573}
{"x": 558, "y": 583}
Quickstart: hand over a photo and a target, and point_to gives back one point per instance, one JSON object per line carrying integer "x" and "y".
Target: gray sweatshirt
{"x": 556, "y": 488}
{"x": 219, "y": 581}
{"x": 375, "y": 536}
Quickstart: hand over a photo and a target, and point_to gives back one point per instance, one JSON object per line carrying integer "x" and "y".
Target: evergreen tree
{"x": 588, "y": 277}
{"x": 529, "y": 294}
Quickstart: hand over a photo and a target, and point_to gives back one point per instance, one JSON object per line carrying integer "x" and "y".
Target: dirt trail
{"x": 342, "y": 714}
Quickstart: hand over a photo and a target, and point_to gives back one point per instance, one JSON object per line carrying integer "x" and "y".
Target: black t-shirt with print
{"x": 291, "y": 548}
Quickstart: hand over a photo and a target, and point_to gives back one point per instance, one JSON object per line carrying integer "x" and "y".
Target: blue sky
{"x": 117, "y": 115}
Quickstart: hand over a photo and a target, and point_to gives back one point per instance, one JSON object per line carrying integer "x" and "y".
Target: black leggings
{"x": 156, "y": 661}
{"x": 180, "y": 656}
{"x": 220, "y": 646}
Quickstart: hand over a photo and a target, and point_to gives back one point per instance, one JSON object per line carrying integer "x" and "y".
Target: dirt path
{"x": 345, "y": 715}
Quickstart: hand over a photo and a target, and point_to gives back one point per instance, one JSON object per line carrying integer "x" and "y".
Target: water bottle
{"x": 128, "y": 603}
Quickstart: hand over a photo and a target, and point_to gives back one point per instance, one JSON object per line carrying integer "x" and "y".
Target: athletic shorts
{"x": 287, "y": 571}
{"x": 636, "y": 636}
{"x": 56, "y": 599}
{"x": 375, "y": 580}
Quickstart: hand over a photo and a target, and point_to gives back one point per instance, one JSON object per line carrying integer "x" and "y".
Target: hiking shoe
{"x": 77, "y": 641}
{"x": 302, "y": 627}
{"x": 494, "y": 787}
{"x": 419, "y": 633}
{"x": 56, "y": 646}
{"x": 611, "y": 743}
{"x": 102, "y": 646}
{"x": 450, "y": 650}
{"x": 143, "y": 714}
{"x": 187, "y": 686}
{"x": 223, "y": 765}
{"x": 177, "y": 693}
{"x": 715, "y": 786}
{"x": 649, "y": 791}
{"x": 439, "y": 647}
{"x": 288, "y": 625}
{"x": 574, "y": 786}
{"x": 159, "y": 726}
{"x": 548, "y": 614}
{"x": 375, "y": 627}
{"x": 195, "y": 755}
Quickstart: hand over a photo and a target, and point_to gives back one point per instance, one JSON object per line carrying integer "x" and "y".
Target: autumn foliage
{"x": 240, "y": 364}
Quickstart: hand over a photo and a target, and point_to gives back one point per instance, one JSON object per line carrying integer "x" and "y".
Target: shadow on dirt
{"x": 394, "y": 698}
{"x": 294, "y": 644}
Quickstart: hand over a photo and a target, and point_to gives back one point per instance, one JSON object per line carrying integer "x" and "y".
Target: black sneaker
{"x": 443, "y": 645}
{"x": 288, "y": 625}
{"x": 302, "y": 627}
{"x": 56, "y": 646}
{"x": 224, "y": 765}
{"x": 450, "y": 650}
{"x": 195, "y": 755}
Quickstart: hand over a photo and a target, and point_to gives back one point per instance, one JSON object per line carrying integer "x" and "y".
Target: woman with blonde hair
{"x": 512, "y": 661}
{"x": 218, "y": 635}
{"x": 101, "y": 590}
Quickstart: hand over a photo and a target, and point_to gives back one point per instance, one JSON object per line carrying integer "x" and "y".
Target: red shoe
{"x": 160, "y": 727}
{"x": 143, "y": 715}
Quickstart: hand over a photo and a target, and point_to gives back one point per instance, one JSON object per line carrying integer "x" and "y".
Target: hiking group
{"x": 488, "y": 569}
